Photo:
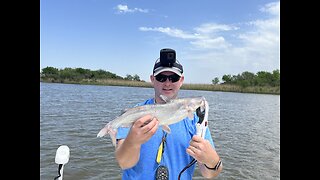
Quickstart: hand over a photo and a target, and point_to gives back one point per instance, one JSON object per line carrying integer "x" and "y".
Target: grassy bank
{"x": 233, "y": 88}
{"x": 202, "y": 87}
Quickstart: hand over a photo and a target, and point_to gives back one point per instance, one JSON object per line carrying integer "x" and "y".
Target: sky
{"x": 211, "y": 38}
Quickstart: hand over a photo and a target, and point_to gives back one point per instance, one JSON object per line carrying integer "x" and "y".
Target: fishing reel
{"x": 162, "y": 173}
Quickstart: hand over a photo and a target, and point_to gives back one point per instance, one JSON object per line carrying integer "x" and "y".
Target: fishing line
{"x": 185, "y": 168}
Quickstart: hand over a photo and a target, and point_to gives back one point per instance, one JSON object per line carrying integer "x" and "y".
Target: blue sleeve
{"x": 122, "y": 133}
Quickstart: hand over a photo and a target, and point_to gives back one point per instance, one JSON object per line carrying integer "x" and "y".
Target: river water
{"x": 245, "y": 129}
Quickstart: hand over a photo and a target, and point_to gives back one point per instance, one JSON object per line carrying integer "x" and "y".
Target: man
{"x": 145, "y": 151}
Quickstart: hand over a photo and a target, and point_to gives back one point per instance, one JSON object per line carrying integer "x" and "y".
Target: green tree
{"x": 215, "y": 80}
{"x": 226, "y": 78}
{"x": 128, "y": 77}
{"x": 275, "y": 78}
{"x": 136, "y": 77}
{"x": 263, "y": 78}
{"x": 47, "y": 71}
{"x": 50, "y": 72}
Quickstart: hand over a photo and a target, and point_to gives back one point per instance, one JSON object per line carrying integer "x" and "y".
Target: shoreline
{"x": 186, "y": 86}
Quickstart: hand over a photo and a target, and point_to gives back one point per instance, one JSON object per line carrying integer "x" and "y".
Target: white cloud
{"x": 171, "y": 32}
{"x": 125, "y": 9}
{"x": 272, "y": 8}
{"x": 204, "y": 37}
{"x": 210, "y": 43}
{"x": 262, "y": 42}
{"x": 223, "y": 49}
{"x": 213, "y": 27}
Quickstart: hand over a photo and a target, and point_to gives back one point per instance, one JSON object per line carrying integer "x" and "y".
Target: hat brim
{"x": 162, "y": 69}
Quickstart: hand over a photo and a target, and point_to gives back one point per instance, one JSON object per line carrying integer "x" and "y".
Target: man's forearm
{"x": 128, "y": 150}
{"x": 127, "y": 154}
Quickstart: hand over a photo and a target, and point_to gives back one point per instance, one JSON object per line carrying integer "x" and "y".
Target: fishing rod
{"x": 62, "y": 158}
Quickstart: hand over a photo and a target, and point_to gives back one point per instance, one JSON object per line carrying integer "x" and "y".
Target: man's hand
{"x": 204, "y": 153}
{"x": 142, "y": 130}
{"x": 202, "y": 150}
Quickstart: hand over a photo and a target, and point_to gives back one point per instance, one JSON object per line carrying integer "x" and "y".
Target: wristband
{"x": 216, "y": 167}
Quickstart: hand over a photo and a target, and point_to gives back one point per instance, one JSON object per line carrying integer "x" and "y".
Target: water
{"x": 245, "y": 128}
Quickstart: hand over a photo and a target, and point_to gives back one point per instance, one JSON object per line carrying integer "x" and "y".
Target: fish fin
{"x": 165, "y": 98}
{"x": 108, "y": 130}
{"x": 123, "y": 111}
{"x": 190, "y": 115}
{"x": 102, "y": 132}
{"x": 166, "y": 128}
{"x": 112, "y": 134}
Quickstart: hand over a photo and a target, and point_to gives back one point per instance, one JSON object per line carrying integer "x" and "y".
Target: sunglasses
{"x": 162, "y": 78}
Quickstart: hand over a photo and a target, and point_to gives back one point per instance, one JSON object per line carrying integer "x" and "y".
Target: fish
{"x": 172, "y": 111}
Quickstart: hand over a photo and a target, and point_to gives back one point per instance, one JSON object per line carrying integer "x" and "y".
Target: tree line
{"x": 245, "y": 79}
{"x": 77, "y": 74}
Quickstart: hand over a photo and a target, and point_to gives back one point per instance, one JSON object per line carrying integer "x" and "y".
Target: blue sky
{"x": 212, "y": 38}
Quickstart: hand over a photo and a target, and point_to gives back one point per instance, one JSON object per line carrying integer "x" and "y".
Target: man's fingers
{"x": 151, "y": 125}
{"x": 197, "y": 138}
{"x": 195, "y": 143}
{"x": 154, "y": 128}
{"x": 193, "y": 151}
{"x": 143, "y": 121}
